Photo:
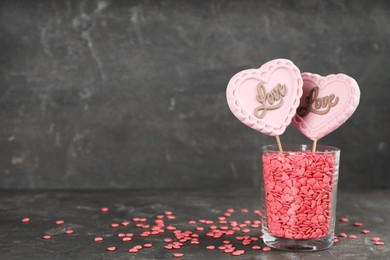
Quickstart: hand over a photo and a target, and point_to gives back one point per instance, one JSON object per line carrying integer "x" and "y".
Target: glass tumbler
{"x": 299, "y": 193}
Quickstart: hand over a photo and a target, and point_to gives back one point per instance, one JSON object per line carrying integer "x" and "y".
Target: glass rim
{"x": 322, "y": 149}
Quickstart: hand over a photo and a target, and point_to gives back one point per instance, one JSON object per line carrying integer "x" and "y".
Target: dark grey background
{"x": 131, "y": 94}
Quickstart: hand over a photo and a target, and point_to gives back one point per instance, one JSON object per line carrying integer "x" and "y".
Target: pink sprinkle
{"x": 365, "y": 231}
{"x": 98, "y": 239}
{"x": 244, "y": 210}
{"x": 168, "y": 240}
{"x": 210, "y": 247}
{"x": 169, "y": 246}
{"x": 46, "y": 237}
{"x": 133, "y": 250}
{"x": 171, "y": 228}
{"x": 199, "y": 228}
{"x": 352, "y": 236}
{"x": 167, "y": 212}
{"x": 246, "y": 242}
{"x": 129, "y": 234}
{"x": 126, "y": 239}
{"x": 104, "y": 209}
{"x": 25, "y": 220}
{"x": 148, "y": 245}
{"x": 256, "y": 247}
{"x": 114, "y": 225}
{"x": 111, "y": 248}
{"x": 137, "y": 247}
{"x": 344, "y": 220}
{"x": 121, "y": 234}
{"x": 266, "y": 249}
{"x": 125, "y": 223}
{"x": 59, "y": 222}
{"x": 257, "y": 212}
{"x": 230, "y": 210}
{"x": 358, "y": 224}
{"x": 177, "y": 255}
{"x": 171, "y": 217}
{"x": 342, "y": 235}
{"x": 69, "y": 231}
{"x": 238, "y": 252}
{"x": 246, "y": 230}
{"x": 376, "y": 239}
{"x": 379, "y": 243}
{"x": 192, "y": 222}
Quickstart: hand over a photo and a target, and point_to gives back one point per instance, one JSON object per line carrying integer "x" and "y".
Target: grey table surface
{"x": 81, "y": 211}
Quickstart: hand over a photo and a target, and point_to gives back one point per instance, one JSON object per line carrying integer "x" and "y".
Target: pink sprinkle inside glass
{"x": 299, "y": 192}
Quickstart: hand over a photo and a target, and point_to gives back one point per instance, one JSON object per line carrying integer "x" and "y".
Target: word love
{"x": 316, "y": 105}
{"x": 275, "y": 95}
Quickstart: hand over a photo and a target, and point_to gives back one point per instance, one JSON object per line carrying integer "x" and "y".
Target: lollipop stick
{"x": 279, "y": 144}
{"x": 314, "y": 146}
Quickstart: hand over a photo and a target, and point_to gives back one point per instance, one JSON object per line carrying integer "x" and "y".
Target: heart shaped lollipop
{"x": 266, "y": 99}
{"x": 326, "y": 103}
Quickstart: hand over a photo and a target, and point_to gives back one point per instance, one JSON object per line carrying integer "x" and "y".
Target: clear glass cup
{"x": 299, "y": 193}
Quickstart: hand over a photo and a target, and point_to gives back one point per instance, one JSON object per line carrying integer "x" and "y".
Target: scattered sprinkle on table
{"x": 98, "y": 239}
{"x": 59, "y": 222}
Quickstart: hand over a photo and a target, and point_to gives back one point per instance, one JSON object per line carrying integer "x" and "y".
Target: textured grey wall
{"x": 131, "y": 94}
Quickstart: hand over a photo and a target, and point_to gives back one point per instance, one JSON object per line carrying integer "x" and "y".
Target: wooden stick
{"x": 279, "y": 144}
{"x": 314, "y": 146}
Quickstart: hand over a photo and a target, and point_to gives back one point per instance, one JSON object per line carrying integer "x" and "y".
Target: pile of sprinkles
{"x": 234, "y": 232}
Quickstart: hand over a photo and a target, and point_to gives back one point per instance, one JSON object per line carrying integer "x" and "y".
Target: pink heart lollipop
{"x": 326, "y": 103}
{"x": 266, "y": 99}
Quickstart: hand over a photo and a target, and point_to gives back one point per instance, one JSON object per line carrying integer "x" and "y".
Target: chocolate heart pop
{"x": 266, "y": 99}
{"x": 326, "y": 103}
